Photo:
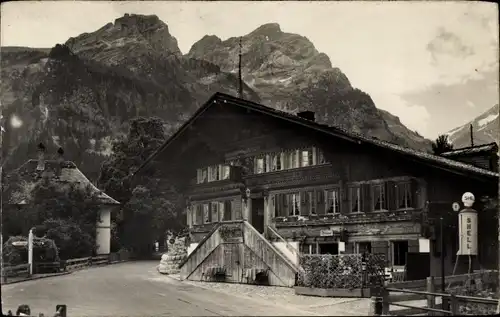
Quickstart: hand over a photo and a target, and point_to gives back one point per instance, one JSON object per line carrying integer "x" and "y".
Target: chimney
{"x": 60, "y": 155}
{"x": 308, "y": 115}
{"x": 41, "y": 157}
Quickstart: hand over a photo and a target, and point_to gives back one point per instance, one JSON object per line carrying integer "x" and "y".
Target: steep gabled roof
{"x": 490, "y": 147}
{"x": 426, "y": 158}
{"x": 60, "y": 173}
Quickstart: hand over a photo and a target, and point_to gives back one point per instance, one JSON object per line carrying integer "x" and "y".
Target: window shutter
{"x": 349, "y": 248}
{"x": 209, "y": 173}
{"x": 255, "y": 165}
{"x": 297, "y": 158}
{"x": 320, "y": 202}
{"x": 199, "y": 176}
{"x": 391, "y": 195}
{"x": 189, "y": 217}
{"x": 366, "y": 198}
{"x": 315, "y": 157}
{"x": 344, "y": 199}
{"x": 267, "y": 163}
{"x": 283, "y": 161}
{"x": 415, "y": 193}
{"x": 221, "y": 211}
{"x": 304, "y": 206}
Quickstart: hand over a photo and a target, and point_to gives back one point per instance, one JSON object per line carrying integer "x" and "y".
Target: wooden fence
{"x": 22, "y": 270}
{"x": 416, "y": 301}
{"x": 65, "y": 265}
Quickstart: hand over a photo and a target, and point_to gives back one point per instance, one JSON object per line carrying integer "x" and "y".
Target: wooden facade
{"x": 314, "y": 186}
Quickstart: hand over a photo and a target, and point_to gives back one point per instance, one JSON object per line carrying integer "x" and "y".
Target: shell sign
{"x": 467, "y": 222}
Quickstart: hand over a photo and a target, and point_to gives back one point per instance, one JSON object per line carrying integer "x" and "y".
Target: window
{"x": 355, "y": 199}
{"x": 308, "y": 248}
{"x": 332, "y": 201}
{"x": 379, "y": 201}
{"x": 403, "y": 191}
{"x": 306, "y": 158}
{"x": 198, "y": 218}
{"x": 364, "y": 247}
{"x": 260, "y": 165}
{"x": 399, "y": 251}
{"x": 214, "y": 210}
{"x": 206, "y": 213}
{"x": 293, "y": 203}
{"x": 201, "y": 175}
{"x": 214, "y": 173}
{"x": 276, "y": 162}
{"x": 292, "y": 159}
{"x": 225, "y": 172}
{"x": 227, "y": 210}
{"x": 321, "y": 157}
{"x": 312, "y": 202}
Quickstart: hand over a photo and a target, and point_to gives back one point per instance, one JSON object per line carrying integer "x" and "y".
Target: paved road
{"x": 132, "y": 289}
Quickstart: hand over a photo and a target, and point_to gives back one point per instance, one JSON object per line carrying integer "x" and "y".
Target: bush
{"x": 71, "y": 240}
{"x": 341, "y": 271}
{"x": 44, "y": 250}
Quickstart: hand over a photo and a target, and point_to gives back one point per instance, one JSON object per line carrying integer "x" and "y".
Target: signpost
{"x": 30, "y": 250}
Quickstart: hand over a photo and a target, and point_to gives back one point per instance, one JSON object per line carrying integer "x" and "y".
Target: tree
{"x": 66, "y": 215}
{"x": 150, "y": 204}
{"x": 441, "y": 145}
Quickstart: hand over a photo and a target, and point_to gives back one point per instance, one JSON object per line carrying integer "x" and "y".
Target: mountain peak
{"x": 267, "y": 30}
{"x": 131, "y": 33}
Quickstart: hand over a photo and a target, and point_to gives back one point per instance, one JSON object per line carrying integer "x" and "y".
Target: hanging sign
{"x": 467, "y": 222}
{"x": 326, "y": 233}
{"x": 341, "y": 246}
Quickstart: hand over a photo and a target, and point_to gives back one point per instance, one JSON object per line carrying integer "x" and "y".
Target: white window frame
{"x": 206, "y": 212}
{"x": 383, "y": 197}
{"x": 274, "y": 162}
{"x": 336, "y": 208}
{"x": 304, "y": 158}
{"x": 294, "y": 204}
{"x": 320, "y": 157}
{"x": 312, "y": 195}
{"x": 225, "y": 171}
{"x": 406, "y": 186}
{"x": 260, "y": 169}
{"x": 358, "y": 194}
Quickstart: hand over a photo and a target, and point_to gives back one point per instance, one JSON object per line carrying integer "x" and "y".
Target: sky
{"x": 432, "y": 64}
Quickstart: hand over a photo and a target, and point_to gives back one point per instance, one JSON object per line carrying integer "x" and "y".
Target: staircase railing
{"x": 288, "y": 246}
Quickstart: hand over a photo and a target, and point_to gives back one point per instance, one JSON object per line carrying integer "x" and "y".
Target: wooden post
{"x": 454, "y": 305}
{"x": 375, "y": 306}
{"x": 385, "y": 301}
{"x": 431, "y": 299}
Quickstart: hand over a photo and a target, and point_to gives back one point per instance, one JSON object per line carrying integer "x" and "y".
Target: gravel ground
{"x": 286, "y": 296}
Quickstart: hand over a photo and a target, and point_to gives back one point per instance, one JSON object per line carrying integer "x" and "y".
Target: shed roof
{"x": 63, "y": 174}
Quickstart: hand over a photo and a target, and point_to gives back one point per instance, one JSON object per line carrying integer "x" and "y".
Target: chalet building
{"x": 263, "y": 186}
{"x": 62, "y": 174}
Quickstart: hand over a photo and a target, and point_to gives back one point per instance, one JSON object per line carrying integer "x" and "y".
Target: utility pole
{"x": 471, "y": 136}
{"x": 240, "y": 80}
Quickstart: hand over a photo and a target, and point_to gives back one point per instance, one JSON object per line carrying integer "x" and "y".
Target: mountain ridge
{"x": 485, "y": 129}
{"x": 80, "y": 95}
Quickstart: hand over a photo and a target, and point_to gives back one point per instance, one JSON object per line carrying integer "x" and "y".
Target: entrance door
{"x": 232, "y": 262}
{"x": 329, "y": 248}
{"x": 258, "y": 214}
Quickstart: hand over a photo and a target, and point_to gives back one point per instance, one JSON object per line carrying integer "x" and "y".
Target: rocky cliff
{"x": 80, "y": 95}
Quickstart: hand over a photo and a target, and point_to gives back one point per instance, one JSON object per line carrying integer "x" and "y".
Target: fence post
{"x": 454, "y": 307}
{"x": 431, "y": 300}
{"x": 385, "y": 301}
{"x": 376, "y": 306}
